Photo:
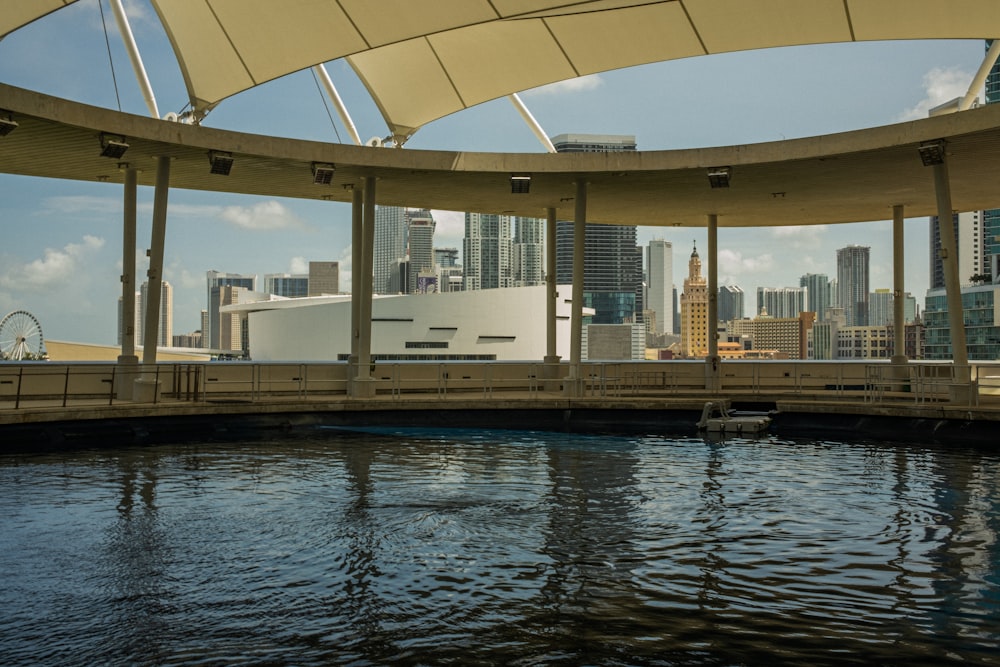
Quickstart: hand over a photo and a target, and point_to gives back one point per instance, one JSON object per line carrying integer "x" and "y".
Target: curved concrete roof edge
{"x": 845, "y": 177}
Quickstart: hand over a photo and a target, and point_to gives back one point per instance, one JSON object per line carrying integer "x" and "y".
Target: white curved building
{"x": 497, "y": 324}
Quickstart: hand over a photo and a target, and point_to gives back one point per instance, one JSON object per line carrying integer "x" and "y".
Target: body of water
{"x": 473, "y": 547}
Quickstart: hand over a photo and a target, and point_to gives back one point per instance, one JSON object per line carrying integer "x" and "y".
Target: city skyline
{"x": 69, "y": 276}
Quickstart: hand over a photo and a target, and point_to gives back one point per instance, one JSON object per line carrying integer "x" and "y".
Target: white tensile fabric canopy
{"x": 424, "y": 59}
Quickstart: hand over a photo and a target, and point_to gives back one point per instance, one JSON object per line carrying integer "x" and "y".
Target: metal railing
{"x": 59, "y": 384}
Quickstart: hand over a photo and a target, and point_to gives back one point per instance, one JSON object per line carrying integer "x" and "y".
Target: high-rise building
{"x": 449, "y": 271}
{"x": 969, "y": 235}
{"x": 991, "y": 217}
{"x": 165, "y": 335}
{"x": 216, "y": 281}
{"x": 486, "y": 251}
{"x": 817, "y": 286}
{"x": 660, "y": 284}
{"x": 612, "y": 263}
{"x": 781, "y": 301}
{"x": 881, "y": 307}
{"x": 980, "y": 304}
{"x": 232, "y": 334}
{"x": 694, "y": 310}
{"x": 324, "y": 278}
{"x": 446, "y": 257}
{"x": 286, "y": 285}
{"x": 852, "y": 283}
{"x": 136, "y": 324}
{"x": 389, "y": 245}
{"x": 730, "y": 303}
{"x": 528, "y": 252}
{"x": 420, "y": 243}
{"x": 593, "y": 143}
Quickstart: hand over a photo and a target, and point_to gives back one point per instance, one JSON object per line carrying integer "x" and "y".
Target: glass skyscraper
{"x": 730, "y": 304}
{"x": 528, "y": 252}
{"x": 217, "y": 282}
{"x": 852, "y": 283}
{"x": 389, "y": 245}
{"x": 991, "y": 217}
{"x": 817, "y": 293}
{"x": 486, "y": 251}
{"x": 660, "y": 283}
{"x": 612, "y": 263}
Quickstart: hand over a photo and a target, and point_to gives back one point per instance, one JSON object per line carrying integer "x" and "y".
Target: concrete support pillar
{"x": 128, "y": 362}
{"x": 713, "y": 371}
{"x": 899, "y": 372}
{"x": 953, "y": 288}
{"x": 898, "y": 288}
{"x": 147, "y": 386}
{"x": 357, "y": 213}
{"x": 574, "y": 383}
{"x": 551, "y": 361}
{"x": 363, "y": 385}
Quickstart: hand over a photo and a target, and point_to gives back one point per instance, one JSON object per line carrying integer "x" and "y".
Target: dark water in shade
{"x": 491, "y": 547}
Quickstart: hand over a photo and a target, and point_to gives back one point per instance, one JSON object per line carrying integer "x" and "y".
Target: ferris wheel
{"x": 21, "y": 336}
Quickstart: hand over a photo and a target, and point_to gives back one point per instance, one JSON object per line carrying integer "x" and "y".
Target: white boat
{"x": 716, "y": 418}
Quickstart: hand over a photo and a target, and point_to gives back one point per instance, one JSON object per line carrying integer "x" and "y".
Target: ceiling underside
{"x": 424, "y": 59}
{"x": 849, "y": 177}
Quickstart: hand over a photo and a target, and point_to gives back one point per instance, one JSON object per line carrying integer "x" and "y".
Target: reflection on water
{"x": 492, "y": 547}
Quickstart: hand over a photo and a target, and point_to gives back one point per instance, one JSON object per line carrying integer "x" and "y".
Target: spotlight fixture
{"x": 221, "y": 161}
{"x": 113, "y": 145}
{"x": 322, "y": 173}
{"x": 932, "y": 152}
{"x": 718, "y": 177}
{"x": 7, "y": 123}
{"x": 520, "y": 184}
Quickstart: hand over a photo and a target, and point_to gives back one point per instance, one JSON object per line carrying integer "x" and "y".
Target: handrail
{"x": 55, "y": 383}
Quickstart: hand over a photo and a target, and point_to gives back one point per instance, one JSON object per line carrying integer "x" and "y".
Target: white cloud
{"x": 578, "y": 85}
{"x": 800, "y": 236}
{"x": 186, "y": 210}
{"x": 267, "y": 215}
{"x": 79, "y": 204}
{"x": 941, "y": 84}
{"x": 449, "y": 229}
{"x": 175, "y": 274}
{"x": 298, "y": 266}
{"x": 733, "y": 263}
{"x": 57, "y": 267}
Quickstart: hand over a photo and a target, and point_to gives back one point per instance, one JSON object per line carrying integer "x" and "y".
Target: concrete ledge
{"x": 45, "y": 428}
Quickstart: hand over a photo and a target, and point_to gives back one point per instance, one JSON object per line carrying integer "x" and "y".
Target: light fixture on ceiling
{"x": 718, "y": 177}
{"x": 520, "y": 184}
{"x": 113, "y": 145}
{"x": 322, "y": 173}
{"x": 932, "y": 152}
{"x": 7, "y": 123}
{"x": 221, "y": 161}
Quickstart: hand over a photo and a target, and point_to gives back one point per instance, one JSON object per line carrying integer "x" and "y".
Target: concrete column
{"x": 550, "y": 370}
{"x": 574, "y": 383}
{"x": 712, "y": 364}
{"x": 147, "y": 386}
{"x": 364, "y": 385}
{"x": 898, "y": 288}
{"x": 128, "y": 362}
{"x": 357, "y": 213}
{"x": 952, "y": 284}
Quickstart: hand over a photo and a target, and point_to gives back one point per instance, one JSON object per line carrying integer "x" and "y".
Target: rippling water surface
{"x": 494, "y": 547}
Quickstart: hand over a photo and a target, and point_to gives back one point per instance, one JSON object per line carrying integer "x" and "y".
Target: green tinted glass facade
{"x": 981, "y": 325}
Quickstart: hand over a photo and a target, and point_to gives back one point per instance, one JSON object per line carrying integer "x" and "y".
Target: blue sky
{"x": 61, "y": 254}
